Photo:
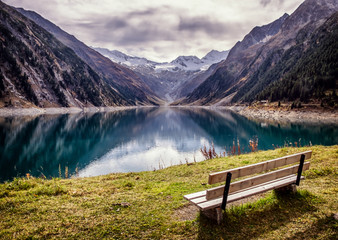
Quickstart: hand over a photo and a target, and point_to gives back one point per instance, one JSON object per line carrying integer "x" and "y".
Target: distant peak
{"x": 285, "y": 15}
{"x": 186, "y": 58}
{"x": 216, "y": 56}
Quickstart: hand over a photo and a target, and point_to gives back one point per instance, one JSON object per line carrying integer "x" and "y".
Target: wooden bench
{"x": 218, "y": 197}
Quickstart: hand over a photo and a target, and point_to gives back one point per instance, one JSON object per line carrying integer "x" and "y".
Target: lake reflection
{"x": 134, "y": 140}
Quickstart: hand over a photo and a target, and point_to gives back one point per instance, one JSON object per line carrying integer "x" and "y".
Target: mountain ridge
{"x": 169, "y": 79}
{"x": 143, "y": 81}
{"x": 239, "y": 77}
{"x": 38, "y": 70}
{"x": 123, "y": 79}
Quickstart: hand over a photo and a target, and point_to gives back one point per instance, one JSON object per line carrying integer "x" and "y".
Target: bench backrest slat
{"x": 256, "y": 180}
{"x": 258, "y": 167}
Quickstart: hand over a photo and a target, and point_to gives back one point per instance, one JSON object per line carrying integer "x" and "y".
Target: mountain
{"x": 215, "y": 56}
{"x": 121, "y": 78}
{"x": 188, "y": 63}
{"x": 315, "y": 72}
{"x": 38, "y": 70}
{"x": 172, "y": 80}
{"x": 262, "y": 57}
{"x": 124, "y": 59}
{"x": 227, "y": 73}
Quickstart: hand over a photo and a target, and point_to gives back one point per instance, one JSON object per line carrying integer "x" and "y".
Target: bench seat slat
{"x": 247, "y": 193}
{"x": 254, "y": 181}
{"x": 258, "y": 167}
{"x": 195, "y": 195}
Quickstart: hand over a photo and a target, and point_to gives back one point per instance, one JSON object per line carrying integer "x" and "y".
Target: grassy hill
{"x": 150, "y": 205}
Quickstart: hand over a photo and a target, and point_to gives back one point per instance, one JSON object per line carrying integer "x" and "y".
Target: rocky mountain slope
{"x": 172, "y": 80}
{"x": 38, "y": 70}
{"x": 251, "y": 62}
{"x": 314, "y": 73}
{"x": 124, "y": 80}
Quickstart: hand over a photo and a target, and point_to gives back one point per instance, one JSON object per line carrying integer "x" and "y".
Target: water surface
{"x": 135, "y": 140}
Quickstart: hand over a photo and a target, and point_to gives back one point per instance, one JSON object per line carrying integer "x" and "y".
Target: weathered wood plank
{"x": 253, "y": 181}
{"x": 199, "y": 200}
{"x": 258, "y": 167}
{"x": 203, "y": 198}
{"x": 195, "y": 195}
{"x": 244, "y": 194}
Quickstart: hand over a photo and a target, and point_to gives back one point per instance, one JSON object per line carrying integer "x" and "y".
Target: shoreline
{"x": 261, "y": 113}
{"x": 17, "y": 112}
{"x": 285, "y": 115}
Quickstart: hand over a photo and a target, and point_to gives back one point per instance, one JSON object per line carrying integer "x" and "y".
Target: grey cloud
{"x": 142, "y": 13}
{"x": 209, "y": 26}
{"x": 202, "y": 24}
{"x": 116, "y": 23}
{"x": 142, "y": 26}
{"x": 164, "y": 24}
{"x": 144, "y": 35}
{"x": 123, "y": 32}
{"x": 264, "y": 3}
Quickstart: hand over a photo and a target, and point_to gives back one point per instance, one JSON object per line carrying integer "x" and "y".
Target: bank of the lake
{"x": 10, "y": 112}
{"x": 263, "y": 112}
{"x": 150, "y": 205}
{"x": 308, "y": 113}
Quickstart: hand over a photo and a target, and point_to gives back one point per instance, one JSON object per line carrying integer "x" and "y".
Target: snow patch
{"x": 185, "y": 63}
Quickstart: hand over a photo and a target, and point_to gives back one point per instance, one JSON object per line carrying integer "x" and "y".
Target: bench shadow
{"x": 254, "y": 219}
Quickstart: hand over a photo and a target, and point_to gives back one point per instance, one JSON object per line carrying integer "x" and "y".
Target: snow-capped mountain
{"x": 215, "y": 56}
{"x": 121, "y": 58}
{"x": 166, "y": 78}
{"x": 187, "y": 63}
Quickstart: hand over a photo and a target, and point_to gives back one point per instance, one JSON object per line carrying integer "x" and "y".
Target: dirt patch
{"x": 187, "y": 212}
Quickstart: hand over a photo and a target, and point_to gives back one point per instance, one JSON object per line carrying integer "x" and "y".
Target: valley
{"x": 291, "y": 60}
{"x": 257, "y": 68}
{"x": 174, "y": 79}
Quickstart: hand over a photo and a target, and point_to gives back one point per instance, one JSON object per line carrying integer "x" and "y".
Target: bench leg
{"x": 214, "y": 214}
{"x": 219, "y": 215}
{"x": 287, "y": 189}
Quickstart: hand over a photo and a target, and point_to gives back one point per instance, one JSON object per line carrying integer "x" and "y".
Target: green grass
{"x": 150, "y": 205}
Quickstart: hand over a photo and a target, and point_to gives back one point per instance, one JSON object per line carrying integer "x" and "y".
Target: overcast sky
{"x": 156, "y": 29}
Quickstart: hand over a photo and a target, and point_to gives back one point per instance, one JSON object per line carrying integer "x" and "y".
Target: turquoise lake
{"x": 91, "y": 144}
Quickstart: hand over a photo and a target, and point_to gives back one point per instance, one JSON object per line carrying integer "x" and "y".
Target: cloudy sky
{"x": 156, "y": 29}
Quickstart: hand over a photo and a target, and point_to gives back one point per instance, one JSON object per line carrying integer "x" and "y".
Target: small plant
{"x": 66, "y": 172}
{"x": 275, "y": 146}
{"x": 60, "y": 173}
{"x": 253, "y": 144}
{"x": 209, "y": 153}
{"x": 235, "y": 150}
{"x": 188, "y": 163}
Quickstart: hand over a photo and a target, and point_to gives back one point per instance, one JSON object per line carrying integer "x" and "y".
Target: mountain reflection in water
{"x": 134, "y": 140}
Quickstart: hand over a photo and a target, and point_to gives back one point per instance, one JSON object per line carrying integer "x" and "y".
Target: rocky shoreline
{"x": 308, "y": 115}
{"x": 282, "y": 115}
{"x": 7, "y": 112}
